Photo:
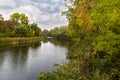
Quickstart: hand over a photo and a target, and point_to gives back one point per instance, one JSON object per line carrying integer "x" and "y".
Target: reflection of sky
{"x": 25, "y": 63}
{"x": 45, "y": 12}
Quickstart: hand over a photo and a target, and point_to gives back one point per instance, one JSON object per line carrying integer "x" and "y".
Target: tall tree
{"x": 19, "y": 19}
{"x": 78, "y": 15}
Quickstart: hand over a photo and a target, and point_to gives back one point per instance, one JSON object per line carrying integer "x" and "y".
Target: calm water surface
{"x": 25, "y": 62}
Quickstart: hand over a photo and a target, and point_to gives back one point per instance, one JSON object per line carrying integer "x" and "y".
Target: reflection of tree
{"x": 36, "y": 45}
{"x": 2, "y": 56}
{"x": 45, "y": 40}
{"x": 18, "y": 54}
{"x": 61, "y": 43}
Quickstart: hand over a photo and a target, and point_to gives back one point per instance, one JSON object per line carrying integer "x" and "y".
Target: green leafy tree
{"x": 20, "y": 31}
{"x": 34, "y": 30}
{"x": 19, "y": 19}
{"x": 59, "y": 32}
{"x": 18, "y": 26}
{"x": 15, "y": 17}
{"x": 46, "y": 33}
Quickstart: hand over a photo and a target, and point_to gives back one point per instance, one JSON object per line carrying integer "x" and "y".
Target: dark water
{"x": 25, "y": 62}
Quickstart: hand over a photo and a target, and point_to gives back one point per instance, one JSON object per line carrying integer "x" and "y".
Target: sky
{"x": 46, "y": 13}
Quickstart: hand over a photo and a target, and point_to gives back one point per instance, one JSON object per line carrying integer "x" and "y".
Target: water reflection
{"x": 17, "y": 54}
{"x": 61, "y": 43}
{"x": 24, "y": 62}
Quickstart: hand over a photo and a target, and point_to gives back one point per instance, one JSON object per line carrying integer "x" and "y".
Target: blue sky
{"x": 47, "y": 13}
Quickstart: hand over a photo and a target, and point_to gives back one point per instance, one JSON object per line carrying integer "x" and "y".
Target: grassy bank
{"x": 18, "y": 40}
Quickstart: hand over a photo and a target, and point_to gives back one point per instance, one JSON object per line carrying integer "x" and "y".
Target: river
{"x": 25, "y": 62}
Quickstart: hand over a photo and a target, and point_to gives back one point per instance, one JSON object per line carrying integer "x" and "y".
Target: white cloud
{"x": 43, "y": 5}
{"x": 7, "y": 3}
{"x": 47, "y": 15}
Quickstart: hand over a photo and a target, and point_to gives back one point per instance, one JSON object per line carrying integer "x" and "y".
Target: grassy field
{"x": 18, "y": 40}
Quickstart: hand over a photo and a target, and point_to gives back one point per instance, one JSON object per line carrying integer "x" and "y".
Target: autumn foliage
{"x": 94, "y": 27}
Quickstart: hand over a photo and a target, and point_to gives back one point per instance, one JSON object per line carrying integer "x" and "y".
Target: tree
{"x": 46, "y": 33}
{"x": 34, "y": 30}
{"x": 20, "y": 31}
{"x": 59, "y": 33}
{"x": 19, "y": 19}
{"x": 78, "y": 15}
{"x": 15, "y": 17}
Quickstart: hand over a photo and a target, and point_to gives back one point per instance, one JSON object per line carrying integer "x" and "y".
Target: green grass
{"x": 18, "y": 40}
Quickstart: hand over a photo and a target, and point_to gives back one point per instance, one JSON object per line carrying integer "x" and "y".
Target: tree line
{"x": 60, "y": 33}
{"x": 18, "y": 26}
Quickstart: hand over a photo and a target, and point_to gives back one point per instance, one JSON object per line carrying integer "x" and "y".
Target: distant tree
{"x": 45, "y": 33}
{"x": 18, "y": 26}
{"x": 15, "y": 17}
{"x": 20, "y": 31}
{"x": 34, "y": 30}
{"x": 59, "y": 32}
{"x": 19, "y": 19}
{"x": 6, "y": 26}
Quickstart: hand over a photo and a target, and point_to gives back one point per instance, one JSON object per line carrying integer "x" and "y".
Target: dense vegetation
{"x": 94, "y": 27}
{"x": 59, "y": 33}
{"x": 18, "y": 26}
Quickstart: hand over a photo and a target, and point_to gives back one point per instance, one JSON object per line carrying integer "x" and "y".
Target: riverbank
{"x": 18, "y": 40}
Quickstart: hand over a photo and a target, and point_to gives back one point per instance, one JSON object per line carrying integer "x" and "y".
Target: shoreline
{"x": 18, "y": 40}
